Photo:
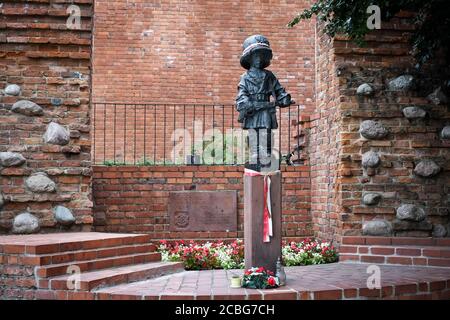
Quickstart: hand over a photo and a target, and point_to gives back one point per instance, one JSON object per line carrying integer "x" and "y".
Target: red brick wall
{"x": 323, "y": 145}
{"x": 51, "y": 64}
{"x": 188, "y": 51}
{"x": 134, "y": 199}
{"x": 17, "y": 279}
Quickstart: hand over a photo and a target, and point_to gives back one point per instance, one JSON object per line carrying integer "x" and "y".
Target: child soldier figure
{"x": 257, "y": 112}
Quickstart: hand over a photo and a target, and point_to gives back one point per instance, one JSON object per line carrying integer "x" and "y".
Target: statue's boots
{"x": 265, "y": 147}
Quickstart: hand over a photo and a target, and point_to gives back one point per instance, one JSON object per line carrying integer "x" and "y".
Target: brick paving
{"x": 127, "y": 266}
{"x": 331, "y": 281}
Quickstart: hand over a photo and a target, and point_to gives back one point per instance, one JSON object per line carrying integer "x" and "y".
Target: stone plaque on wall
{"x": 203, "y": 211}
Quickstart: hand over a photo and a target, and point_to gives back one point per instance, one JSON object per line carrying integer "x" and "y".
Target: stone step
{"x": 58, "y": 243}
{"x": 83, "y": 255}
{"x": 96, "y": 264}
{"x": 89, "y": 281}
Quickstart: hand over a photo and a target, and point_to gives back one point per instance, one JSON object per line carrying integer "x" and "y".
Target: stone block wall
{"x": 45, "y": 162}
{"x": 134, "y": 199}
{"x": 387, "y": 164}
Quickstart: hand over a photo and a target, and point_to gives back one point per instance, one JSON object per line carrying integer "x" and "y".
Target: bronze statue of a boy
{"x": 257, "y": 112}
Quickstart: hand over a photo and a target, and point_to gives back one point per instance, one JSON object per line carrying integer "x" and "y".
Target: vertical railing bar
{"x": 135, "y": 134}
{"x": 232, "y": 135}
{"x": 203, "y": 132}
{"x": 223, "y": 134}
{"x": 93, "y": 125}
{"x": 124, "y": 132}
{"x": 174, "y": 128}
{"x": 115, "y": 121}
{"x": 104, "y": 132}
{"x": 184, "y": 132}
{"x": 145, "y": 133}
{"x": 289, "y": 131}
{"x": 298, "y": 130}
{"x": 214, "y": 134}
{"x": 164, "y": 142}
{"x": 280, "y": 152}
{"x": 154, "y": 134}
{"x": 193, "y": 132}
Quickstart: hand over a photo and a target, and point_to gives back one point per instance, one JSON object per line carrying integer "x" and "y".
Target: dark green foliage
{"x": 350, "y": 18}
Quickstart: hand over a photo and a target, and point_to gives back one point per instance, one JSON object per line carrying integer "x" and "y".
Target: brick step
{"x": 416, "y": 251}
{"x": 58, "y": 243}
{"x": 396, "y": 260}
{"x": 437, "y": 256}
{"x": 89, "y": 281}
{"x": 96, "y": 264}
{"x": 396, "y": 241}
{"x": 83, "y": 255}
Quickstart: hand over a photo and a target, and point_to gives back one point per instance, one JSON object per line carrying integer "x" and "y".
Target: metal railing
{"x": 180, "y": 134}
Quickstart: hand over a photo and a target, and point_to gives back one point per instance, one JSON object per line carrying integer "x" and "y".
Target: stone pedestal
{"x": 257, "y": 252}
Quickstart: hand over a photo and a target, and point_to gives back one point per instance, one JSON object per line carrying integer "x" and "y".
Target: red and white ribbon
{"x": 267, "y": 211}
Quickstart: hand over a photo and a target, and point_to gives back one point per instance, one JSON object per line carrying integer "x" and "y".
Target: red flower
{"x": 260, "y": 269}
{"x": 271, "y": 281}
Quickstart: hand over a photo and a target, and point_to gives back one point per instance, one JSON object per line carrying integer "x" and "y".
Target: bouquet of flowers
{"x": 259, "y": 278}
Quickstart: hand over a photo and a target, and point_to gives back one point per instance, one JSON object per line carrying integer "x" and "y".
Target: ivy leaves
{"x": 349, "y": 17}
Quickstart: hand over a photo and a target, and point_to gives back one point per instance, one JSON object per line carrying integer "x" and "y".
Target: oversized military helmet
{"x": 250, "y": 45}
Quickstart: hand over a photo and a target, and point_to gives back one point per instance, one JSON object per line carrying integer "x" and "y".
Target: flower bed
{"x": 195, "y": 256}
{"x": 219, "y": 255}
{"x": 308, "y": 251}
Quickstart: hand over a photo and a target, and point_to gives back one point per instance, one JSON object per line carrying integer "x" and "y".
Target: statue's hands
{"x": 286, "y": 102}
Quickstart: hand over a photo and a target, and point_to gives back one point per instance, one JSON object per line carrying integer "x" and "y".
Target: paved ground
{"x": 116, "y": 266}
{"x": 331, "y": 281}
